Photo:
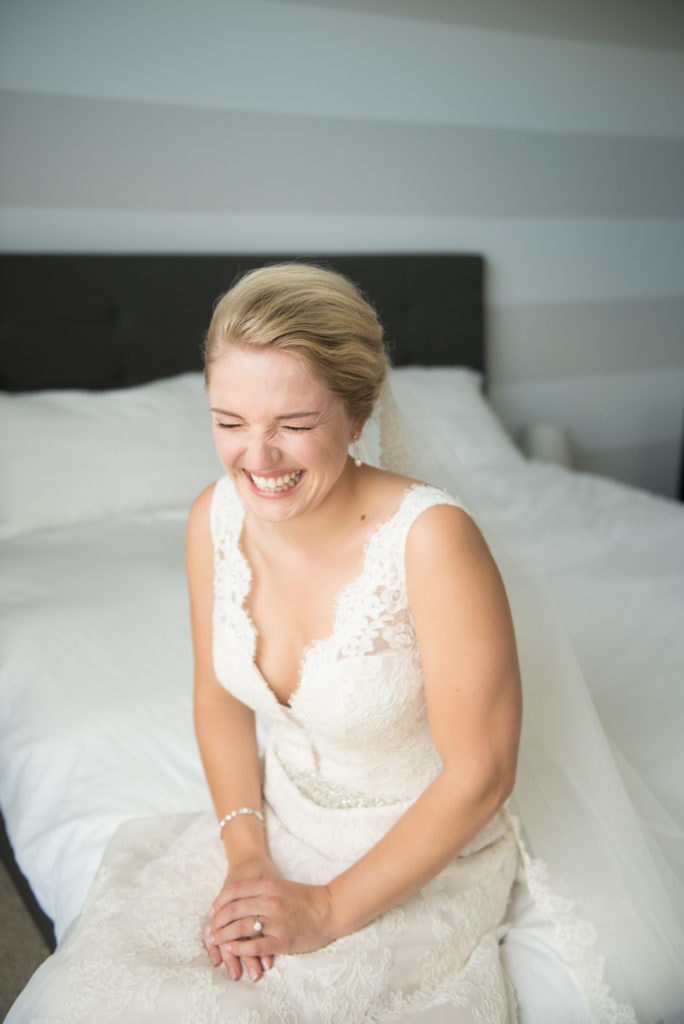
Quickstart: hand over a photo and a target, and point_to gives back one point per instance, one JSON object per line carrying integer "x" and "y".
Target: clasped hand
{"x": 294, "y": 918}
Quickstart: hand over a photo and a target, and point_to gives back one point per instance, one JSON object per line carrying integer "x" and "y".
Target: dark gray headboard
{"x": 106, "y": 321}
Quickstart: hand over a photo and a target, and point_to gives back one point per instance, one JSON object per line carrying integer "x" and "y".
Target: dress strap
{"x": 417, "y": 499}
{"x": 226, "y": 516}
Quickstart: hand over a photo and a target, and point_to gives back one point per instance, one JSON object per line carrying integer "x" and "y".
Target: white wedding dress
{"x": 344, "y": 759}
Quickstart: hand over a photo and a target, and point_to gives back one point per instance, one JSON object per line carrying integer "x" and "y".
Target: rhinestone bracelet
{"x": 233, "y": 814}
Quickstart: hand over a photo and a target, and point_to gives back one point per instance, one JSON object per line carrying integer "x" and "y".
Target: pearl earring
{"x": 357, "y": 457}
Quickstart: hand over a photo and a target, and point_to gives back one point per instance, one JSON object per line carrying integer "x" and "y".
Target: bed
{"x": 105, "y": 442}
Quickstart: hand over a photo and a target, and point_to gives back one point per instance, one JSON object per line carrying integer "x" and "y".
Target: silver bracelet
{"x": 233, "y": 814}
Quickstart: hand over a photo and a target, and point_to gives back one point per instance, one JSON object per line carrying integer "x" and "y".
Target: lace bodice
{"x": 355, "y": 730}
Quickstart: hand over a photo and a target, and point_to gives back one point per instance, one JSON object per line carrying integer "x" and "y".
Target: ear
{"x": 357, "y": 429}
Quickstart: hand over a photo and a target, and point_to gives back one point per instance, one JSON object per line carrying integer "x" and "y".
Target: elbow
{"x": 506, "y": 785}
{"x": 493, "y": 789}
{"x": 501, "y": 781}
{"x": 481, "y": 796}
{"x": 491, "y": 797}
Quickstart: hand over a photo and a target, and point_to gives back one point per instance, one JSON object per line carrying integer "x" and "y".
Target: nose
{"x": 261, "y": 453}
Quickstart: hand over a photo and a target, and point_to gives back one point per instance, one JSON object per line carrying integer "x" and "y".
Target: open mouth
{"x": 276, "y": 484}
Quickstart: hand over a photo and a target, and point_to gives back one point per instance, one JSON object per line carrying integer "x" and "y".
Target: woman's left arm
{"x": 465, "y": 636}
{"x": 471, "y": 676}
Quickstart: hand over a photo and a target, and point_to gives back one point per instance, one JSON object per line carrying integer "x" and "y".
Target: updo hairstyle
{"x": 314, "y": 313}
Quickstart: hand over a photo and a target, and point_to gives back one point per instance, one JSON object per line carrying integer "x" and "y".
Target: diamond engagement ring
{"x": 257, "y": 926}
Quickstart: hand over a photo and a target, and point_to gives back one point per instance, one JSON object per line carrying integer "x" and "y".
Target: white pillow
{"x": 454, "y": 413}
{"x": 68, "y": 457}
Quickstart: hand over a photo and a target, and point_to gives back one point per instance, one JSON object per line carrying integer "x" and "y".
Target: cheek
{"x": 224, "y": 444}
{"x": 332, "y": 455}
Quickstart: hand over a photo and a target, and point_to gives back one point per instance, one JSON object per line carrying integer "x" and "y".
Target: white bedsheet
{"x": 95, "y": 695}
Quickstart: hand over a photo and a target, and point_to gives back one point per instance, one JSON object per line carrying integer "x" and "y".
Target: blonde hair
{"x": 314, "y": 313}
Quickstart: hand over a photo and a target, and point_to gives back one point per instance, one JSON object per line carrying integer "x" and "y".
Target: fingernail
{"x": 254, "y": 974}
{"x": 265, "y": 964}
{"x": 233, "y": 974}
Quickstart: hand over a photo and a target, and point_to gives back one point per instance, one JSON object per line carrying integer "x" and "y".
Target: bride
{"x": 371, "y": 867}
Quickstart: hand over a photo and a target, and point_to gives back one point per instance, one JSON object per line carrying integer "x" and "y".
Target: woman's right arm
{"x": 225, "y": 727}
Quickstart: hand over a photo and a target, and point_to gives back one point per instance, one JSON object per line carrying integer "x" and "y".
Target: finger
{"x": 233, "y": 964}
{"x": 254, "y": 967}
{"x": 262, "y": 949}
{"x": 243, "y": 889}
{"x": 211, "y": 947}
{"x": 245, "y": 910}
{"x": 243, "y": 931}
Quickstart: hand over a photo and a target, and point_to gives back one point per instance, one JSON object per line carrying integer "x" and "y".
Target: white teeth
{"x": 276, "y": 483}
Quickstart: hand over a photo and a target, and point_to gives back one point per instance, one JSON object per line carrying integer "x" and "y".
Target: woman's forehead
{"x": 249, "y": 371}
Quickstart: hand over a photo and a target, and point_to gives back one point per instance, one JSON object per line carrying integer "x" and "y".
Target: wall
{"x": 549, "y": 136}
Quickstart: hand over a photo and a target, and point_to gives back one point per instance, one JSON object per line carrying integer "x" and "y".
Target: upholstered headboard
{"x": 107, "y": 321}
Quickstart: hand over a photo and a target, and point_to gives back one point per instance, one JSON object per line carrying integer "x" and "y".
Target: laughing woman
{"x": 362, "y": 870}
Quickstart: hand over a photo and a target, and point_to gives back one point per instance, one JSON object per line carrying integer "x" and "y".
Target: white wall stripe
{"x": 567, "y": 339}
{"x": 529, "y": 262}
{"x": 645, "y": 406}
{"x": 338, "y": 63}
{"x": 650, "y": 466}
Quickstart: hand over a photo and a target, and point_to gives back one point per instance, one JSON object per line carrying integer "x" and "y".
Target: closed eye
{"x": 296, "y": 430}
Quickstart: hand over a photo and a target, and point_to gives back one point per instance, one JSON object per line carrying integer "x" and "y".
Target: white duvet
{"x": 96, "y": 674}
{"x": 96, "y": 695}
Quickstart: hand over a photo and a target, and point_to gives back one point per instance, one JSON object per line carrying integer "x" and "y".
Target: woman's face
{"x": 279, "y": 433}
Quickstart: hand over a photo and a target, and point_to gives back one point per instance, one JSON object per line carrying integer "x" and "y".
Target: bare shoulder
{"x": 199, "y": 530}
{"x": 201, "y": 506}
{"x": 456, "y": 593}
{"x": 444, "y": 524}
{"x": 445, "y": 539}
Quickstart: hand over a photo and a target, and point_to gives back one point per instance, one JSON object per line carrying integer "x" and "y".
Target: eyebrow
{"x": 284, "y": 416}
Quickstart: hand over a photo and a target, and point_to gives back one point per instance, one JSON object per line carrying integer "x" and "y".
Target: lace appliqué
{"x": 145, "y": 921}
{"x": 145, "y": 914}
{"x": 232, "y": 576}
{"x": 426, "y": 954}
{"x": 576, "y": 937}
{"x": 372, "y": 612}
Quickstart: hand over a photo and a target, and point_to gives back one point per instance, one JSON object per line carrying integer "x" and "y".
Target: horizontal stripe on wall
{"x": 644, "y": 407}
{"x": 65, "y": 151}
{"x": 299, "y": 59}
{"x": 554, "y": 340}
{"x": 625, "y": 426}
{"x": 652, "y": 466}
{"x": 628, "y": 22}
{"x": 528, "y": 262}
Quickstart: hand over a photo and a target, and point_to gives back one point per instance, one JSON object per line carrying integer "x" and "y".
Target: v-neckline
{"x": 340, "y": 597}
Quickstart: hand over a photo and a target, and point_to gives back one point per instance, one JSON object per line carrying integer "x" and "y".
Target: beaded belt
{"x": 327, "y": 794}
